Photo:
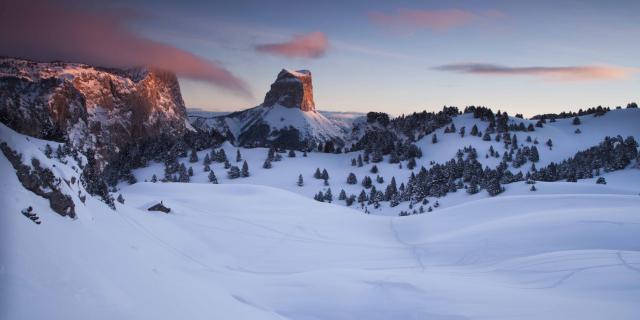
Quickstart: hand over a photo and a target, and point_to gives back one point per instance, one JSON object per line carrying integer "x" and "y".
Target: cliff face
{"x": 87, "y": 106}
{"x": 292, "y": 89}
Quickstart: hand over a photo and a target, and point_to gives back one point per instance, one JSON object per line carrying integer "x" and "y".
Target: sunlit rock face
{"x": 292, "y": 89}
{"x": 90, "y": 107}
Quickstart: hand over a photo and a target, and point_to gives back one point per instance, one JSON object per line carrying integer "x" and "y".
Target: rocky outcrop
{"x": 292, "y": 89}
{"x": 287, "y": 118}
{"x": 89, "y": 107}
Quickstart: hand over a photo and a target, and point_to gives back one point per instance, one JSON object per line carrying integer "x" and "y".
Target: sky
{"x": 398, "y": 57}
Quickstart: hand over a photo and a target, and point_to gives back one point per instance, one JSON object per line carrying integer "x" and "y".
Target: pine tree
{"x": 486, "y": 136}
{"x": 533, "y": 188}
{"x": 267, "y": 164}
{"x": 234, "y": 172}
{"x": 474, "y": 130}
{"x": 366, "y": 182}
{"x": 317, "y": 174}
{"x": 533, "y": 154}
{"x": 434, "y": 139}
{"x": 351, "y": 179}
{"x": 576, "y": 121}
{"x": 304, "y": 153}
{"x": 360, "y": 161}
{"x": 319, "y": 196}
{"x": 353, "y": 162}
{"x": 212, "y": 177}
{"x": 190, "y": 172}
{"x": 120, "y": 198}
{"x": 227, "y": 165}
{"x": 154, "y": 178}
{"x": 238, "y": 156}
{"x": 601, "y": 180}
{"x": 300, "y": 181}
{"x": 245, "y": 169}
{"x": 374, "y": 169}
{"x": 550, "y": 143}
{"x": 48, "y": 151}
{"x": 328, "y": 197}
{"x": 325, "y": 174}
{"x": 342, "y": 195}
{"x": 194, "y": 156}
{"x": 411, "y": 163}
{"x": 462, "y": 130}
{"x": 221, "y": 156}
{"x": 292, "y": 154}
{"x": 362, "y": 197}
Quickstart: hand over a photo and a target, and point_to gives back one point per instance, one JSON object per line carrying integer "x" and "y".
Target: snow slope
{"x": 253, "y": 252}
{"x": 246, "y": 250}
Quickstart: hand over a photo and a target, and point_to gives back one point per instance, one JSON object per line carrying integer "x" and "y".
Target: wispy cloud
{"x": 567, "y": 73}
{"x": 311, "y": 45}
{"x": 437, "y": 20}
{"x": 100, "y": 38}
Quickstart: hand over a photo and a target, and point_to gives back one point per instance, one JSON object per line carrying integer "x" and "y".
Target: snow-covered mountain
{"x": 90, "y": 107}
{"x": 287, "y": 118}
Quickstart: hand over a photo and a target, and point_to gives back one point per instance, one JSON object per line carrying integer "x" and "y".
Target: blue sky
{"x": 543, "y": 56}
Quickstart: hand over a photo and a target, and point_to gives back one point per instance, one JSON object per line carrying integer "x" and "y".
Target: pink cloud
{"x": 311, "y": 45}
{"x": 569, "y": 73}
{"x": 40, "y": 30}
{"x": 438, "y": 20}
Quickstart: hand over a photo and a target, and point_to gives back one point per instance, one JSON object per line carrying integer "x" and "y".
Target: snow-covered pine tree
{"x": 362, "y": 197}
{"x": 238, "y": 156}
{"x": 328, "y": 197}
{"x": 325, "y": 174}
{"x": 374, "y": 169}
{"x": 576, "y": 121}
{"x": 245, "y": 169}
{"x": 292, "y": 154}
{"x": 267, "y": 164}
{"x": 434, "y": 139}
{"x": 474, "y": 130}
{"x": 300, "y": 181}
{"x": 351, "y": 179}
{"x": 317, "y": 174}
{"x": 234, "y": 172}
{"x": 212, "y": 177}
{"x": 342, "y": 195}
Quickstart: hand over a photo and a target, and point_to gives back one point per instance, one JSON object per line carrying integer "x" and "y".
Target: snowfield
{"x": 261, "y": 248}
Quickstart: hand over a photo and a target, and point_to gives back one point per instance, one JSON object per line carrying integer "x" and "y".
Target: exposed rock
{"x": 87, "y": 106}
{"x": 287, "y": 118}
{"x": 292, "y": 89}
{"x": 40, "y": 181}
